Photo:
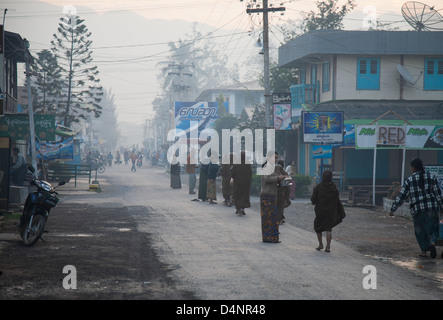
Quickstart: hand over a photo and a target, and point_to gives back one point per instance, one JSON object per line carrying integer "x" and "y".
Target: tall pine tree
{"x": 71, "y": 45}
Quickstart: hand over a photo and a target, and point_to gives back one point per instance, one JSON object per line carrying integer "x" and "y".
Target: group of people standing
{"x": 236, "y": 176}
{"x": 278, "y": 189}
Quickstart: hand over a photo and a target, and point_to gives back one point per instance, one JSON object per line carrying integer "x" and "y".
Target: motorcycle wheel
{"x": 101, "y": 169}
{"x": 32, "y": 234}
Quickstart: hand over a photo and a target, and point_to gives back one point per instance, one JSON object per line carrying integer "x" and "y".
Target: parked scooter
{"x": 38, "y": 204}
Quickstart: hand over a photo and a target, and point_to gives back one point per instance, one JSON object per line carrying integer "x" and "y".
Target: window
{"x": 313, "y": 74}
{"x": 325, "y": 72}
{"x": 368, "y": 74}
{"x": 302, "y": 76}
{"x": 433, "y": 74}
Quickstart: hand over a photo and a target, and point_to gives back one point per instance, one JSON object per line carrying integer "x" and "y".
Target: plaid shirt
{"x": 429, "y": 199}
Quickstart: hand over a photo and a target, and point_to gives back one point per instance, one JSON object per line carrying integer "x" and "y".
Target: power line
{"x": 265, "y": 9}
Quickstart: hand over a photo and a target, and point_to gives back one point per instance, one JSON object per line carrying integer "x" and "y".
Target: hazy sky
{"x": 213, "y": 12}
{"x": 130, "y": 37}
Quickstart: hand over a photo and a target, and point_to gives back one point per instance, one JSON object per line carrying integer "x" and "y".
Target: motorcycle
{"x": 36, "y": 210}
{"x": 97, "y": 165}
{"x": 140, "y": 161}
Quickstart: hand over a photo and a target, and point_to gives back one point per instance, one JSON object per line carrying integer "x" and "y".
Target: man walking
{"x": 425, "y": 202}
{"x": 133, "y": 158}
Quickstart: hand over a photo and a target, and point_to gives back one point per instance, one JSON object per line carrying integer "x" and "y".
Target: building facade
{"x": 366, "y": 74}
{"x": 238, "y": 96}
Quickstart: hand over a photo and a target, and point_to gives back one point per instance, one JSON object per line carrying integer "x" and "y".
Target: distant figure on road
{"x": 213, "y": 170}
{"x": 425, "y": 202}
{"x": 242, "y": 176}
{"x": 292, "y": 171}
{"x": 126, "y": 156}
{"x": 175, "y": 174}
{"x": 203, "y": 182}
{"x": 109, "y": 157}
{"x": 283, "y": 200}
{"x": 329, "y": 210}
{"x": 133, "y": 157}
{"x": 190, "y": 169}
{"x": 225, "y": 173}
{"x": 118, "y": 158}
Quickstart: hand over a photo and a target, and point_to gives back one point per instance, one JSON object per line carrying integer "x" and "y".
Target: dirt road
{"x": 138, "y": 239}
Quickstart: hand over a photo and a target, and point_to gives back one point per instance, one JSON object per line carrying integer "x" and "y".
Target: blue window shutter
{"x": 368, "y": 74}
{"x": 439, "y": 69}
{"x": 313, "y": 74}
{"x": 429, "y": 75}
{"x": 303, "y": 76}
{"x": 325, "y": 76}
{"x": 433, "y": 79}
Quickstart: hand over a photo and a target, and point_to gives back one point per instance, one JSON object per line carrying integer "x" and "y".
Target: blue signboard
{"x": 348, "y": 136}
{"x": 195, "y": 116}
{"x": 322, "y": 127}
{"x": 323, "y": 151}
{"x": 55, "y": 150}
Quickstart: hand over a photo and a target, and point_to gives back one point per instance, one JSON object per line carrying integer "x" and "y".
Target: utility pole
{"x": 2, "y": 66}
{"x": 30, "y": 109}
{"x": 265, "y": 10}
{"x": 178, "y": 70}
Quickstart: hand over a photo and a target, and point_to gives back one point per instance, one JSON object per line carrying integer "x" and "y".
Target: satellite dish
{"x": 405, "y": 74}
{"x": 421, "y": 16}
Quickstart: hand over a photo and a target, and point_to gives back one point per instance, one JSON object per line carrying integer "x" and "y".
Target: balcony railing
{"x": 304, "y": 94}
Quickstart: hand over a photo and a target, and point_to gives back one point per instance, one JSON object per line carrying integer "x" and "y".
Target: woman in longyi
{"x": 329, "y": 210}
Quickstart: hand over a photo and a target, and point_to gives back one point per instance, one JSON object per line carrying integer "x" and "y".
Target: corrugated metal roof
{"x": 239, "y": 86}
{"x": 372, "y": 109}
{"x": 242, "y": 86}
{"x": 313, "y": 45}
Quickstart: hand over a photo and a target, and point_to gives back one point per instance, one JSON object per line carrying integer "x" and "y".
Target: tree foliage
{"x": 257, "y": 120}
{"x": 108, "y": 121}
{"x": 280, "y": 78}
{"x": 46, "y": 82}
{"x": 194, "y": 65}
{"x": 329, "y": 15}
{"x": 82, "y": 91}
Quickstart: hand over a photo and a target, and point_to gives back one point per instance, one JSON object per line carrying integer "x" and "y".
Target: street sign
{"x": 391, "y": 135}
{"x": 394, "y": 137}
